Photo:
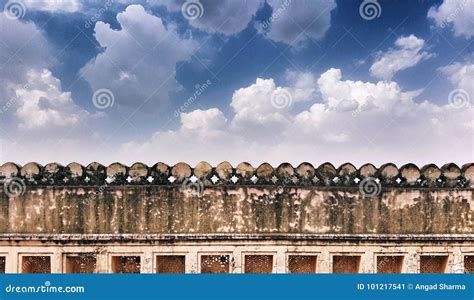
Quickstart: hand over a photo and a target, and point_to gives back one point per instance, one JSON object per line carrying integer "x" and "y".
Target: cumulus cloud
{"x": 455, "y": 14}
{"x": 461, "y": 75}
{"x": 23, "y": 47}
{"x": 266, "y": 106}
{"x": 294, "y": 22}
{"x": 226, "y": 16}
{"x": 138, "y": 63}
{"x": 208, "y": 122}
{"x": 36, "y": 114}
{"x": 350, "y": 121}
{"x": 363, "y": 95}
{"x": 42, "y": 103}
{"x": 351, "y": 105}
{"x": 29, "y": 90}
{"x": 302, "y": 85}
{"x": 406, "y": 54}
{"x": 53, "y": 5}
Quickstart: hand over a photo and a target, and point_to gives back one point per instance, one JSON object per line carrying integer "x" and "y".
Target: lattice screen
{"x": 170, "y": 264}
{"x": 83, "y": 263}
{"x": 469, "y": 264}
{"x": 258, "y": 263}
{"x": 302, "y": 263}
{"x": 433, "y": 263}
{"x": 126, "y": 264}
{"x": 389, "y": 264}
{"x": 2, "y": 264}
{"x": 36, "y": 264}
{"x": 215, "y": 264}
{"x": 345, "y": 264}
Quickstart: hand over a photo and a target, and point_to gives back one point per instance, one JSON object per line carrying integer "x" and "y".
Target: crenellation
{"x": 203, "y": 170}
{"x": 388, "y": 175}
{"x": 347, "y": 173}
{"x": 367, "y": 170}
{"x": 327, "y": 173}
{"x": 430, "y": 175}
{"x": 181, "y": 171}
{"x": 76, "y": 170}
{"x": 9, "y": 170}
{"x": 245, "y": 171}
{"x": 451, "y": 173}
{"x": 468, "y": 174}
{"x": 31, "y": 171}
{"x": 410, "y": 173}
{"x": 265, "y": 173}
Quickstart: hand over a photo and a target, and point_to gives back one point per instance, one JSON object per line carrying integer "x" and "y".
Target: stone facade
{"x": 224, "y": 219}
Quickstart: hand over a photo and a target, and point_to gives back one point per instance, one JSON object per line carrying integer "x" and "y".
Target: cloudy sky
{"x": 275, "y": 80}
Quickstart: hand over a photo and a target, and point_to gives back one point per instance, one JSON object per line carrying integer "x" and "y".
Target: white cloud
{"x": 352, "y": 121}
{"x": 458, "y": 14}
{"x": 257, "y": 114}
{"x": 363, "y": 95}
{"x": 37, "y": 117}
{"x": 349, "y": 106}
{"x": 43, "y": 104}
{"x": 407, "y": 53}
{"x": 381, "y": 121}
{"x": 293, "y": 22}
{"x": 225, "y": 16}
{"x": 209, "y": 122}
{"x": 53, "y": 5}
{"x": 29, "y": 91}
{"x": 23, "y": 47}
{"x": 139, "y": 61}
{"x": 302, "y": 85}
{"x": 202, "y": 133}
{"x": 264, "y": 103}
{"x": 461, "y": 76}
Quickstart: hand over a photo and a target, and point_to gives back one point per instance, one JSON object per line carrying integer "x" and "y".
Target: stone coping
{"x": 18, "y": 237}
{"x": 305, "y": 174}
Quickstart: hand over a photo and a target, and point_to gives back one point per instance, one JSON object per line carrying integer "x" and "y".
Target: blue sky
{"x": 354, "y": 87}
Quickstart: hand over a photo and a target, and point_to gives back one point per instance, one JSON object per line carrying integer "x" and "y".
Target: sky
{"x": 258, "y": 81}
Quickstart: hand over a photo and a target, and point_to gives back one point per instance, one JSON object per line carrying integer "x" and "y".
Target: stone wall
{"x": 183, "y": 200}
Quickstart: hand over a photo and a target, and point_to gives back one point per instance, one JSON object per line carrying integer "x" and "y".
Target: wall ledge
{"x": 87, "y": 238}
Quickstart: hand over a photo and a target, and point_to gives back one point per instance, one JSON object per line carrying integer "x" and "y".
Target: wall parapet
{"x": 409, "y": 175}
{"x": 182, "y": 200}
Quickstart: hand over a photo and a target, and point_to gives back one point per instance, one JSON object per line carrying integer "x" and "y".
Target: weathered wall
{"x": 160, "y": 209}
{"x": 223, "y": 199}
